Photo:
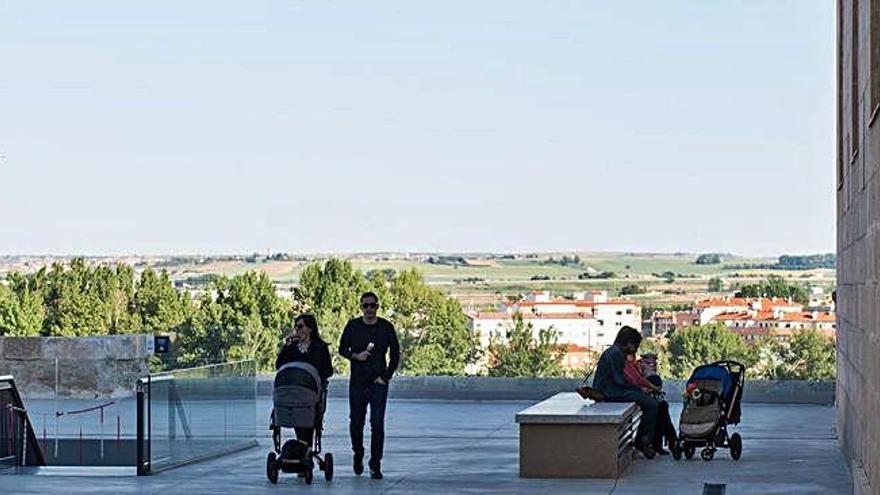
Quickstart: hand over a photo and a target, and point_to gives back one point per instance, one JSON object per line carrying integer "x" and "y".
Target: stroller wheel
{"x": 309, "y": 476}
{"x": 689, "y": 451}
{"x": 707, "y": 454}
{"x": 736, "y": 446}
{"x": 272, "y": 468}
{"x": 328, "y": 467}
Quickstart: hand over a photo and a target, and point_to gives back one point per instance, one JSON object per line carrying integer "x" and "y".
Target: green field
{"x": 484, "y": 280}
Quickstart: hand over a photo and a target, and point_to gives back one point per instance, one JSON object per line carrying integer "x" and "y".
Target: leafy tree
{"x": 245, "y": 320}
{"x": 768, "y": 359}
{"x": 76, "y": 303}
{"x": 21, "y": 307}
{"x": 808, "y": 356}
{"x": 124, "y": 316}
{"x": 716, "y": 284}
{"x": 708, "y": 259}
{"x": 694, "y": 346}
{"x": 522, "y": 354}
{"x": 435, "y": 338}
{"x": 160, "y": 307}
{"x": 203, "y": 338}
{"x": 775, "y": 286}
{"x": 632, "y": 289}
{"x": 331, "y": 291}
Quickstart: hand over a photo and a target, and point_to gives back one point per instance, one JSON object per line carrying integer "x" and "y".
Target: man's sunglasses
{"x": 370, "y": 305}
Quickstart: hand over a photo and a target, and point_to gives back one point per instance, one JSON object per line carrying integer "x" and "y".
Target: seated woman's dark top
{"x": 318, "y": 355}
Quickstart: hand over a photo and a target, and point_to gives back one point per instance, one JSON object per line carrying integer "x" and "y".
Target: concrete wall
{"x": 858, "y": 249}
{"x": 485, "y": 388}
{"x": 85, "y": 367}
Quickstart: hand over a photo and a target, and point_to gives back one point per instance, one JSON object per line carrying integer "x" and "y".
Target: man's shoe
{"x": 376, "y": 473}
{"x": 660, "y": 451}
{"x": 358, "y": 464}
{"x": 646, "y": 451}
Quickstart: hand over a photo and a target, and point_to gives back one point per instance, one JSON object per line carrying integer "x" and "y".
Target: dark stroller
{"x": 712, "y": 402}
{"x": 299, "y": 399}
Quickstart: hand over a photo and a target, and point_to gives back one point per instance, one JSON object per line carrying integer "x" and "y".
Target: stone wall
{"x": 81, "y": 367}
{"x": 534, "y": 389}
{"x": 858, "y": 249}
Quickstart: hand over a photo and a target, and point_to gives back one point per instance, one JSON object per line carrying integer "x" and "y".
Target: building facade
{"x": 858, "y": 245}
{"x": 586, "y": 324}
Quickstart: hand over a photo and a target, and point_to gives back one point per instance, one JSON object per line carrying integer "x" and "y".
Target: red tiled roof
{"x": 566, "y": 302}
{"x": 570, "y": 348}
{"x": 805, "y": 316}
{"x": 766, "y": 302}
{"x": 500, "y": 315}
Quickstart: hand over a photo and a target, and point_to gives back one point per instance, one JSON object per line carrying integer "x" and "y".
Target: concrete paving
{"x": 472, "y": 447}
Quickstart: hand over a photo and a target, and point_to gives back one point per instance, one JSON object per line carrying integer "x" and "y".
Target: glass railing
{"x": 188, "y": 415}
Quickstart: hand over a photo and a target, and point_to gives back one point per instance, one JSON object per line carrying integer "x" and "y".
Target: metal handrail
{"x": 164, "y": 375}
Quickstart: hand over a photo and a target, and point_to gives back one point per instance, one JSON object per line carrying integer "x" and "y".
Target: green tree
{"x": 246, "y": 320}
{"x": 75, "y": 301}
{"x": 632, "y": 289}
{"x": 775, "y": 286}
{"x": 808, "y": 356}
{"x": 331, "y": 291}
{"x": 522, "y": 354}
{"x": 124, "y": 317}
{"x": 694, "y": 346}
{"x": 716, "y": 284}
{"x": 160, "y": 307}
{"x": 21, "y": 307}
{"x": 203, "y": 337}
{"x": 434, "y": 334}
{"x": 768, "y": 352}
{"x": 708, "y": 259}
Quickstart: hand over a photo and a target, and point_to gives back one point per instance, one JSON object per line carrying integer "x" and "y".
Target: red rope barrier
{"x": 88, "y": 409}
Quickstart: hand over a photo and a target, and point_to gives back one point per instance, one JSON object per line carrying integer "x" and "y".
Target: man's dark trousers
{"x": 649, "y": 407}
{"x": 374, "y": 395}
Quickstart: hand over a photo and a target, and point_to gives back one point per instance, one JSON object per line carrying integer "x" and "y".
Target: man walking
{"x": 365, "y": 342}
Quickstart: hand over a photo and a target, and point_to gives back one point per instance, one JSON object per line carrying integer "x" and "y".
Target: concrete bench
{"x": 566, "y": 436}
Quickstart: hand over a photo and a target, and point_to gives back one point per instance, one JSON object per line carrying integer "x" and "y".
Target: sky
{"x": 326, "y": 126}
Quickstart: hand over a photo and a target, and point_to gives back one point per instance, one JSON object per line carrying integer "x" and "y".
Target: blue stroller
{"x": 712, "y": 402}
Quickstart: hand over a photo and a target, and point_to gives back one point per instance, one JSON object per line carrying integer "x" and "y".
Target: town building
{"x": 751, "y": 318}
{"x": 587, "y": 323}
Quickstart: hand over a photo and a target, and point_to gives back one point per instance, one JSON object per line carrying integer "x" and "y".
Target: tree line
{"x": 243, "y": 317}
{"x": 807, "y": 355}
{"x": 238, "y": 317}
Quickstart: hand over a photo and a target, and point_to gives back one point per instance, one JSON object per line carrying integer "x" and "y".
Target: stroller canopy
{"x": 714, "y": 372}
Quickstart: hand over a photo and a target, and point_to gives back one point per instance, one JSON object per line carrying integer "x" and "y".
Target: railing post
{"x": 142, "y": 468}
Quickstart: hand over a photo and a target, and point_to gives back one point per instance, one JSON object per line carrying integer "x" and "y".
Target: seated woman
{"x": 663, "y": 429}
{"x": 304, "y": 344}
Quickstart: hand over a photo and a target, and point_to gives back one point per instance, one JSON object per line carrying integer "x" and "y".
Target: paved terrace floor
{"x": 472, "y": 447}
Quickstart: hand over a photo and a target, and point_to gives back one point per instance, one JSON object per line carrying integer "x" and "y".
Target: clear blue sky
{"x": 230, "y": 126}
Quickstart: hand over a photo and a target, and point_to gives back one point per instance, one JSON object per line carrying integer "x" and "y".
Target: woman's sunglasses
{"x": 299, "y": 326}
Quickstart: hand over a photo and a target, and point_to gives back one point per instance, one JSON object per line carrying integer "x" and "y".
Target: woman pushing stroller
{"x": 299, "y": 399}
{"x": 305, "y": 345}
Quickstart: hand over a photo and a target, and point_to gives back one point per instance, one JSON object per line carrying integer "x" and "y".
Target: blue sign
{"x": 163, "y": 344}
